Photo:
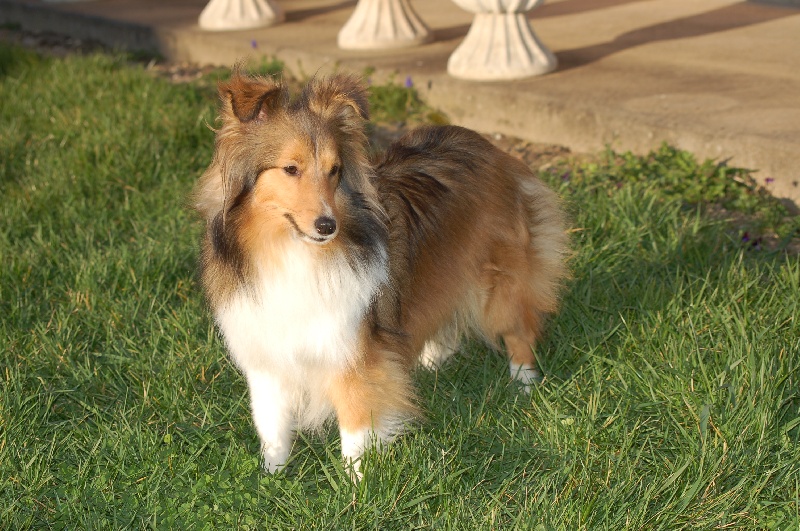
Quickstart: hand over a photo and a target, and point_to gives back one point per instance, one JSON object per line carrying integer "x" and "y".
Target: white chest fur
{"x": 305, "y": 315}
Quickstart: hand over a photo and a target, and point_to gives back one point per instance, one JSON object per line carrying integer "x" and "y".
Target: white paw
{"x": 274, "y": 458}
{"x": 434, "y": 354}
{"x": 353, "y": 469}
{"x": 440, "y": 347}
{"x": 353, "y": 445}
{"x": 525, "y": 374}
{"x": 356, "y": 442}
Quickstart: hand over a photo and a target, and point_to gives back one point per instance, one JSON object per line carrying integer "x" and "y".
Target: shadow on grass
{"x": 15, "y": 58}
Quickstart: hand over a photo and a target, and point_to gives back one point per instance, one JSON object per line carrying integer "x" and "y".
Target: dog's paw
{"x": 354, "y": 443}
{"x": 434, "y": 354}
{"x": 274, "y": 459}
{"x": 526, "y": 375}
{"x": 353, "y": 469}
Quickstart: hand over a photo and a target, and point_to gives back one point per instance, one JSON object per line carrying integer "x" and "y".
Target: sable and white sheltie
{"x": 330, "y": 275}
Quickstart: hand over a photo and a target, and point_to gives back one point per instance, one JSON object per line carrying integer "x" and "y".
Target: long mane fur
{"x": 339, "y": 105}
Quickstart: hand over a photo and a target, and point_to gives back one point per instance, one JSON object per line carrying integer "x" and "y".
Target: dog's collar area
{"x": 305, "y": 236}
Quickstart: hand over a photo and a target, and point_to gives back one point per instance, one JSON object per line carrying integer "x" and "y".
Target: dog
{"x": 330, "y": 274}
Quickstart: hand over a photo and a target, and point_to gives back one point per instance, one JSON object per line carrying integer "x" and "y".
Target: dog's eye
{"x": 290, "y": 170}
{"x": 335, "y": 170}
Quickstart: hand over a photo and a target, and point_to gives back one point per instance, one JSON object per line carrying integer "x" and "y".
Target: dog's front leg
{"x": 273, "y": 417}
{"x": 372, "y": 404}
{"x": 355, "y": 440}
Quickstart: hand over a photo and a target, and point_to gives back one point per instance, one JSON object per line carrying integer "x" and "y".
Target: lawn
{"x": 672, "y": 390}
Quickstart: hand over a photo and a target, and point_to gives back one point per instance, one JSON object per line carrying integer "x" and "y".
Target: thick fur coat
{"x": 330, "y": 275}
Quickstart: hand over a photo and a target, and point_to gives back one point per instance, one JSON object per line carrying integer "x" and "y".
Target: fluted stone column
{"x": 381, "y": 24}
{"x": 224, "y": 15}
{"x": 500, "y": 43}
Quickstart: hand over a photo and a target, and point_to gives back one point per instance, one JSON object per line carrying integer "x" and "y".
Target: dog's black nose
{"x": 325, "y": 226}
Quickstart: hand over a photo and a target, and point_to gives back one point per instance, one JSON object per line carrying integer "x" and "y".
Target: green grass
{"x": 706, "y": 183}
{"x": 672, "y": 396}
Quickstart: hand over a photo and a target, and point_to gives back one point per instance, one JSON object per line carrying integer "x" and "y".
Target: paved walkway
{"x": 720, "y": 78}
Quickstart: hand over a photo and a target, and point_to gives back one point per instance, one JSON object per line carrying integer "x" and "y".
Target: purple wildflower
{"x": 565, "y": 176}
{"x": 769, "y": 180}
{"x": 409, "y": 83}
{"x": 752, "y": 244}
{"x": 253, "y": 44}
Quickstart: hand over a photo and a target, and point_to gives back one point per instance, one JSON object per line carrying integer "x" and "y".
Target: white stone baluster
{"x": 226, "y": 15}
{"x": 380, "y": 24}
{"x": 500, "y": 43}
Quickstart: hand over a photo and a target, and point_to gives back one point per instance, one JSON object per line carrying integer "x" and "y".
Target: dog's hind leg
{"x": 521, "y": 284}
{"x": 520, "y": 333}
{"x": 514, "y": 311}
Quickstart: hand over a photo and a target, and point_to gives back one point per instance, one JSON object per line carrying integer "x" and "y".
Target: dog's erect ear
{"x": 250, "y": 98}
{"x": 343, "y": 97}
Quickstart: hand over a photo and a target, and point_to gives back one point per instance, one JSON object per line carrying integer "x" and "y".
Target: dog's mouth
{"x": 319, "y": 240}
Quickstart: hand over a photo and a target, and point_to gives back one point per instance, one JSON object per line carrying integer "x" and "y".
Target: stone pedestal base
{"x": 228, "y": 15}
{"x": 383, "y": 24}
{"x": 500, "y": 44}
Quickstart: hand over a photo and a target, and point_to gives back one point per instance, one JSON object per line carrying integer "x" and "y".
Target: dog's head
{"x": 288, "y": 165}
